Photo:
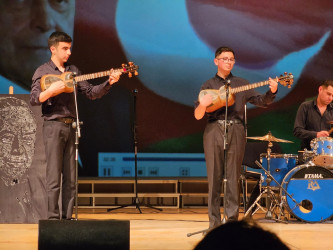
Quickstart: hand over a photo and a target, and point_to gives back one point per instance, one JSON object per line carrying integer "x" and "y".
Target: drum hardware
{"x": 305, "y": 156}
{"x": 270, "y": 206}
{"x": 276, "y": 203}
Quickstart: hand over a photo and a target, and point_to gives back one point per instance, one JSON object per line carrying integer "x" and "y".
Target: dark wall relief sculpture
{"x": 22, "y": 161}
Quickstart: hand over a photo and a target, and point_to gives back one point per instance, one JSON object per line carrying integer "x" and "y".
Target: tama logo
{"x": 313, "y": 176}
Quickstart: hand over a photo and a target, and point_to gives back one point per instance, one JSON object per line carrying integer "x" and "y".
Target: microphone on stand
{"x": 228, "y": 83}
{"x": 73, "y": 78}
{"x": 74, "y": 124}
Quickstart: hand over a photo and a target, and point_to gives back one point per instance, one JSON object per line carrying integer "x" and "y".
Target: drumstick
{"x": 330, "y": 131}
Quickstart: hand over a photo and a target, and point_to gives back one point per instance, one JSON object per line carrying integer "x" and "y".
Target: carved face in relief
{"x": 17, "y": 139}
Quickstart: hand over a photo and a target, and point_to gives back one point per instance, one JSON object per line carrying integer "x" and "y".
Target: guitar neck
{"x": 248, "y": 87}
{"x": 96, "y": 75}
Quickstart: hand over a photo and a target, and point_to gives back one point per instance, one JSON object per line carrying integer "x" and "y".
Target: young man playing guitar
{"x": 58, "y": 109}
{"x": 213, "y": 138}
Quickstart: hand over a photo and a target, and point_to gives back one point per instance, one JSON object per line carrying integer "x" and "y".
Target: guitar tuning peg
{"x": 130, "y": 63}
{"x": 130, "y": 74}
{"x": 136, "y": 73}
{"x": 123, "y": 65}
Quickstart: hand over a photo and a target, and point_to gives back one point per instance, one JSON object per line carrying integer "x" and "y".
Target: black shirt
{"x": 309, "y": 121}
{"x": 236, "y": 111}
{"x": 63, "y": 104}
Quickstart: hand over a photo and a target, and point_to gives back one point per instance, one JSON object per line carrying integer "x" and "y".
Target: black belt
{"x": 229, "y": 122}
{"x": 66, "y": 120}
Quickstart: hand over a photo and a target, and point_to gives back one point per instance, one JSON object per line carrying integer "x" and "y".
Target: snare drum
{"x": 323, "y": 150}
{"x": 280, "y": 165}
{"x": 312, "y": 189}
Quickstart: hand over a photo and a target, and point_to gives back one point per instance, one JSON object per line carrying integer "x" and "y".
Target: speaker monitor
{"x": 83, "y": 234}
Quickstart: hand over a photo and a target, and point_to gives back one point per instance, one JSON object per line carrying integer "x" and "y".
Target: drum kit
{"x": 304, "y": 190}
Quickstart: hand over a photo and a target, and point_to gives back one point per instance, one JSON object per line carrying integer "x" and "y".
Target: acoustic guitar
{"x": 219, "y": 95}
{"x": 68, "y": 77}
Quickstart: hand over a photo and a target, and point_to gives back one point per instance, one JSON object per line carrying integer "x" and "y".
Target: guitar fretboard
{"x": 247, "y": 87}
{"x": 98, "y": 75}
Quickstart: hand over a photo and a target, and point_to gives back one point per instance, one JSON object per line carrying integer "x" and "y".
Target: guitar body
{"x": 66, "y": 77}
{"x": 219, "y": 98}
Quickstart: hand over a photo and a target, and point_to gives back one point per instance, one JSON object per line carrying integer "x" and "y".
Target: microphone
{"x": 74, "y": 124}
{"x": 228, "y": 83}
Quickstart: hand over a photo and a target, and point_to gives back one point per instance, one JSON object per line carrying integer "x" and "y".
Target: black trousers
{"x": 59, "y": 141}
{"x": 213, "y": 140}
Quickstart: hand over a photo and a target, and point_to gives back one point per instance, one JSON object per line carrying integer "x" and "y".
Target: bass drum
{"x": 312, "y": 189}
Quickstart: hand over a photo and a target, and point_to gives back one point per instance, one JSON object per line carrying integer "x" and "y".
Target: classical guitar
{"x": 219, "y": 96}
{"x": 68, "y": 77}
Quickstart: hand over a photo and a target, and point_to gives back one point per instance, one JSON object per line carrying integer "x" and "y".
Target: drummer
{"x": 314, "y": 118}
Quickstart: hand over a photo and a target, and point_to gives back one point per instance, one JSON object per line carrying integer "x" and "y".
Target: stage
{"x": 168, "y": 229}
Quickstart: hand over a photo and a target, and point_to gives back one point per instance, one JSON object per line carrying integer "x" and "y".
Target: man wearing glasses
{"x": 213, "y": 138}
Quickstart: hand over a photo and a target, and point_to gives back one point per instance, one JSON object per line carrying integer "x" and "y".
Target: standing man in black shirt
{"x": 214, "y": 135}
{"x": 58, "y": 109}
{"x": 313, "y": 116}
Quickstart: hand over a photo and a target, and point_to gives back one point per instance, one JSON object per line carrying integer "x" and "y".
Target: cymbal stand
{"x": 273, "y": 201}
{"x": 268, "y": 180}
{"x": 270, "y": 206}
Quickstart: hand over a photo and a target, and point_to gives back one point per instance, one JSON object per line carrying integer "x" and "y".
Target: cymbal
{"x": 269, "y": 137}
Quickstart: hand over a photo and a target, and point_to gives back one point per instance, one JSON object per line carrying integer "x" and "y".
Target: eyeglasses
{"x": 226, "y": 59}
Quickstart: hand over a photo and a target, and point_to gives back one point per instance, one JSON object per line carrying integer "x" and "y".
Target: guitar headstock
{"x": 287, "y": 79}
{"x": 129, "y": 69}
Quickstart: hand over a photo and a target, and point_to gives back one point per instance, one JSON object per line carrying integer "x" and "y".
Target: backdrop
{"x": 173, "y": 43}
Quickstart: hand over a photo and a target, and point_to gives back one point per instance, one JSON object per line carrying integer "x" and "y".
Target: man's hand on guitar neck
{"x": 114, "y": 76}
{"x": 273, "y": 85}
{"x": 56, "y": 88}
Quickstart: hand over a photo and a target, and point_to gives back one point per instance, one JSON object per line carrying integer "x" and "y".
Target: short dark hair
{"x": 327, "y": 83}
{"x": 223, "y": 49}
{"x": 57, "y": 37}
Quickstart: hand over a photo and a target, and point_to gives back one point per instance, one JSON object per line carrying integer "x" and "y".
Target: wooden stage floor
{"x": 168, "y": 229}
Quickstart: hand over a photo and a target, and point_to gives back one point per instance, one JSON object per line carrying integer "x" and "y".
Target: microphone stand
{"x": 135, "y": 201}
{"x": 76, "y": 126}
{"x": 225, "y": 147}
